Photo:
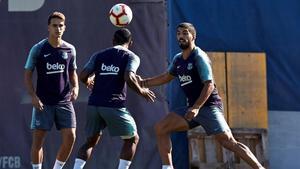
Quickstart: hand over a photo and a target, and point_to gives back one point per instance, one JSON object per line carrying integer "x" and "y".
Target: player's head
{"x": 122, "y": 36}
{"x": 57, "y": 15}
{"x": 56, "y": 24}
{"x": 186, "y": 34}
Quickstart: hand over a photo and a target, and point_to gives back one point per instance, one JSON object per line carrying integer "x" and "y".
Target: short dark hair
{"x": 188, "y": 26}
{"x": 56, "y": 14}
{"x": 122, "y": 36}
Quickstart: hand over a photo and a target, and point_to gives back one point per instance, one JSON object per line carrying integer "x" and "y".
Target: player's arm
{"x": 133, "y": 83}
{"x": 36, "y": 102}
{"x": 204, "y": 95}
{"x": 157, "y": 80}
{"x": 28, "y": 81}
{"x": 73, "y": 76}
{"x": 162, "y": 78}
{"x": 132, "y": 79}
{"x": 87, "y": 75}
{"x": 74, "y": 83}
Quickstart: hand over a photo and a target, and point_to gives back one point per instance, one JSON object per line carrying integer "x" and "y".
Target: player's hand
{"x": 90, "y": 83}
{"x": 37, "y": 103}
{"x": 148, "y": 94}
{"x": 191, "y": 113}
{"x": 74, "y": 93}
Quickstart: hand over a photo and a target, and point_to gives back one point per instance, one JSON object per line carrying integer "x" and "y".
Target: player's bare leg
{"x": 128, "y": 151}
{"x": 129, "y": 148}
{"x": 172, "y": 122}
{"x": 227, "y": 140}
{"x": 38, "y": 138}
{"x": 68, "y": 139}
{"x": 85, "y": 151}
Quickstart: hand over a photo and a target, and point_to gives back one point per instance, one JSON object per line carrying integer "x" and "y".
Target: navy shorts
{"x": 63, "y": 115}
{"x": 211, "y": 118}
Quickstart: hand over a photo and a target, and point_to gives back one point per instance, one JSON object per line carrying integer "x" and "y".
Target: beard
{"x": 184, "y": 46}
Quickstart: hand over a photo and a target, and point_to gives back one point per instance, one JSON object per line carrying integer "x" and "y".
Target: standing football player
{"x": 56, "y": 88}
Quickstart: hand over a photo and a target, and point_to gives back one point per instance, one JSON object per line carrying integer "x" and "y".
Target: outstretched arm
{"x": 133, "y": 83}
{"x": 157, "y": 80}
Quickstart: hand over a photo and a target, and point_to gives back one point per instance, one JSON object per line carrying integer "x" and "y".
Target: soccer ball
{"x": 120, "y": 15}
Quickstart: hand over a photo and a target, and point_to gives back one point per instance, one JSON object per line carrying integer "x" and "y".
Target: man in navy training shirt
{"x": 56, "y": 88}
{"x": 193, "y": 69}
{"x": 107, "y": 73}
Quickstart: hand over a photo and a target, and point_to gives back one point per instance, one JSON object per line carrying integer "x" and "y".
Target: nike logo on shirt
{"x": 46, "y": 55}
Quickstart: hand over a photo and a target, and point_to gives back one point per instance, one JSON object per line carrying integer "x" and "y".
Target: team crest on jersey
{"x": 190, "y": 66}
{"x": 64, "y": 55}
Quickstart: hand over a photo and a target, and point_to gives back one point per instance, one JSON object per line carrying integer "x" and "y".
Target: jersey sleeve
{"x": 32, "y": 57}
{"x": 133, "y": 63}
{"x": 204, "y": 67}
{"x": 90, "y": 65}
{"x": 171, "y": 67}
{"x": 73, "y": 64}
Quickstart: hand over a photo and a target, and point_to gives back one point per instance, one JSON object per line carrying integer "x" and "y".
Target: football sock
{"x": 167, "y": 167}
{"x": 124, "y": 164}
{"x": 79, "y": 163}
{"x": 58, "y": 164}
{"x": 36, "y": 166}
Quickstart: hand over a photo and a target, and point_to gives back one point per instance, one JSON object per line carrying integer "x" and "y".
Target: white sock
{"x": 36, "y": 166}
{"x": 124, "y": 164}
{"x": 79, "y": 163}
{"x": 167, "y": 167}
{"x": 58, "y": 164}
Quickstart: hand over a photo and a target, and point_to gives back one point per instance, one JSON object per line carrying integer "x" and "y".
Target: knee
{"x": 227, "y": 141}
{"x": 136, "y": 139}
{"x": 37, "y": 143}
{"x": 38, "y": 138}
{"x": 133, "y": 140}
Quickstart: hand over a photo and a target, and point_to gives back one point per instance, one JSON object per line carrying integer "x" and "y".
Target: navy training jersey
{"x": 53, "y": 66}
{"x": 109, "y": 67}
{"x": 191, "y": 73}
